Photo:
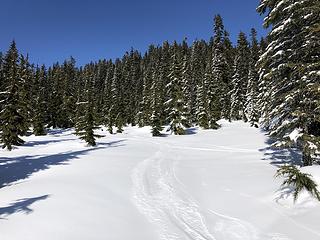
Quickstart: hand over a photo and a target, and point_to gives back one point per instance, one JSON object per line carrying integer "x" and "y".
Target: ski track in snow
{"x": 219, "y": 149}
{"x": 236, "y": 229}
{"x": 161, "y": 197}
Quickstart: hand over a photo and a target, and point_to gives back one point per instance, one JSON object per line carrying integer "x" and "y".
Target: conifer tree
{"x": 290, "y": 69}
{"x": 213, "y": 94}
{"x": 155, "y": 118}
{"x": 251, "y": 105}
{"x": 12, "y": 118}
{"x": 87, "y": 123}
{"x": 25, "y": 80}
{"x": 145, "y": 111}
{"x": 39, "y": 104}
{"x": 176, "y": 107}
{"x": 107, "y": 96}
{"x": 116, "y": 112}
{"x": 2, "y": 81}
{"x": 202, "y": 100}
{"x": 186, "y": 88}
{"x": 55, "y": 118}
{"x": 196, "y": 83}
{"x": 240, "y": 79}
{"x": 229, "y": 55}
{"x": 218, "y": 89}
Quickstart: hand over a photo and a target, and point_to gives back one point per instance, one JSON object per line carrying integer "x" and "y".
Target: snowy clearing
{"x": 207, "y": 185}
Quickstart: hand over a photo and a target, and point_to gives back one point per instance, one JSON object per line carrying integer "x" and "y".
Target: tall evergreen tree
{"x": 156, "y": 103}
{"x": 116, "y": 111}
{"x": 13, "y": 120}
{"x": 176, "y": 106}
{"x": 39, "y": 102}
{"x": 87, "y": 122}
{"x": 197, "y": 94}
{"x": 251, "y": 105}
{"x": 213, "y": 83}
{"x": 202, "y": 98}
{"x": 240, "y": 79}
{"x": 219, "y": 99}
{"x": 186, "y": 87}
{"x": 290, "y": 69}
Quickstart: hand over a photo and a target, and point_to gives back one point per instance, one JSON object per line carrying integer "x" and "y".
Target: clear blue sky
{"x": 52, "y": 30}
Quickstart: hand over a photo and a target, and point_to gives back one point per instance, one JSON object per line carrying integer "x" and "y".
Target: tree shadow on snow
{"x": 188, "y": 131}
{"x": 281, "y": 156}
{"x": 191, "y": 131}
{"x": 21, "y": 205}
{"x": 57, "y": 131}
{"x": 45, "y": 142}
{"x": 13, "y": 169}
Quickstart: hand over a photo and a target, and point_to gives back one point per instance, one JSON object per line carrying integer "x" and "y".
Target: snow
{"x": 207, "y": 185}
{"x": 295, "y": 135}
{"x": 279, "y": 53}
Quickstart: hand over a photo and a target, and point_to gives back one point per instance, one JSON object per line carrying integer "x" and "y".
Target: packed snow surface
{"x": 207, "y": 185}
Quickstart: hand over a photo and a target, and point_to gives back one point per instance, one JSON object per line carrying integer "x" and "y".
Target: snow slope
{"x": 207, "y": 185}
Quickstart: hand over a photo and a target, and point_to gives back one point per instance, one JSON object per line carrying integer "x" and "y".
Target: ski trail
{"x": 237, "y": 229}
{"x": 234, "y": 228}
{"x": 159, "y": 196}
{"x": 218, "y": 149}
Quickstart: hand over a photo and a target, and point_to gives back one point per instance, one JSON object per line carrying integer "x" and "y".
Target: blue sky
{"x": 52, "y": 30}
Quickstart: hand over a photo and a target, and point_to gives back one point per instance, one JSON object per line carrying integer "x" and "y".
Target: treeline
{"x": 175, "y": 85}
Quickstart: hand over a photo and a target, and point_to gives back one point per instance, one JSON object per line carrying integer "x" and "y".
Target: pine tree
{"x": 197, "y": 94}
{"x": 25, "y": 80}
{"x": 39, "y": 104}
{"x": 213, "y": 94}
{"x": 155, "y": 118}
{"x": 68, "y": 91}
{"x": 2, "y": 81}
{"x": 186, "y": 88}
{"x": 240, "y": 79}
{"x": 55, "y": 97}
{"x": 289, "y": 69}
{"x": 229, "y": 56}
{"x": 251, "y": 105}
{"x": 87, "y": 123}
{"x": 12, "y": 118}
{"x": 202, "y": 99}
{"x": 116, "y": 112}
{"x": 145, "y": 111}
{"x": 107, "y": 97}
{"x": 299, "y": 181}
{"x": 219, "y": 99}
{"x": 176, "y": 106}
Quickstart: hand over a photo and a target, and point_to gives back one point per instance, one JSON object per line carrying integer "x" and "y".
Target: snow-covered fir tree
{"x": 107, "y": 96}
{"x": 218, "y": 90}
{"x": 186, "y": 87}
{"x": 251, "y": 105}
{"x": 289, "y": 69}
{"x": 156, "y": 104}
{"x": 39, "y": 102}
{"x": 203, "y": 115}
{"x": 176, "y": 107}
{"x": 213, "y": 95}
{"x": 116, "y": 117}
{"x": 86, "y": 121}
{"x": 144, "y": 114}
{"x": 240, "y": 79}
{"x": 13, "y": 116}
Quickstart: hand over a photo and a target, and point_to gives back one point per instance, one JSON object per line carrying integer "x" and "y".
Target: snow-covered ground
{"x": 207, "y": 185}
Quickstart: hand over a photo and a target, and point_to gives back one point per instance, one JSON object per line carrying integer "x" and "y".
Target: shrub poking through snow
{"x": 300, "y": 181}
